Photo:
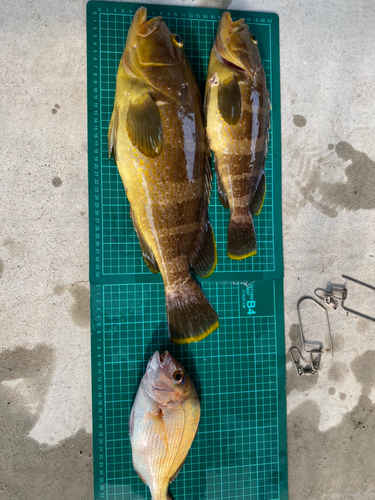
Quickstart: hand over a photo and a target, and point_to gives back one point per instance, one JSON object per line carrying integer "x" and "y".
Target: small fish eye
{"x": 254, "y": 39}
{"x": 177, "y": 40}
{"x": 178, "y": 377}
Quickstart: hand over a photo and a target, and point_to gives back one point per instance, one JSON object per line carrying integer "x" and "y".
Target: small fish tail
{"x": 242, "y": 241}
{"x": 191, "y": 317}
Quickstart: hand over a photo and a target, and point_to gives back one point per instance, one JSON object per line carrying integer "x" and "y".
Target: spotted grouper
{"x": 237, "y": 109}
{"x": 158, "y": 140}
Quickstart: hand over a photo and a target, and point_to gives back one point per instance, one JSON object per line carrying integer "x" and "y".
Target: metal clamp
{"x": 332, "y": 295}
{"x": 308, "y": 297}
{"x": 335, "y": 293}
{"x": 303, "y": 369}
{"x": 352, "y": 310}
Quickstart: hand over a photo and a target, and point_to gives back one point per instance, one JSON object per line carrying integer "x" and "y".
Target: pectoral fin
{"x": 259, "y": 196}
{"x": 204, "y": 258}
{"x": 229, "y": 100}
{"x": 147, "y": 253}
{"x": 206, "y": 102}
{"x": 144, "y": 126}
{"x": 223, "y": 197}
{"x": 112, "y": 134}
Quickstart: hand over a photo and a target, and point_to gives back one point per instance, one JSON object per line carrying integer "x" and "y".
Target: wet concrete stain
{"x": 363, "y": 369}
{"x": 1, "y": 268}
{"x": 331, "y": 391}
{"x": 299, "y": 120}
{"x": 80, "y": 310}
{"x": 336, "y": 459}
{"x": 342, "y": 395}
{"x": 58, "y": 290}
{"x": 40, "y": 465}
{"x": 355, "y": 194}
{"x": 331, "y": 146}
{"x": 362, "y": 325}
{"x": 295, "y": 336}
{"x": 55, "y": 109}
{"x": 15, "y": 248}
{"x": 337, "y": 370}
{"x": 56, "y": 181}
{"x": 57, "y": 473}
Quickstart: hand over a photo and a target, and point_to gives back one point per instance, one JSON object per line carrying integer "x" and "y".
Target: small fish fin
{"x": 204, "y": 259}
{"x": 229, "y": 100}
{"x": 207, "y": 95}
{"x": 177, "y": 472}
{"x": 112, "y": 134}
{"x": 144, "y": 126}
{"x": 207, "y": 176}
{"x": 220, "y": 187}
{"x": 190, "y": 315}
{"x": 259, "y": 196}
{"x": 147, "y": 253}
{"x": 140, "y": 477}
{"x": 241, "y": 237}
{"x": 131, "y": 423}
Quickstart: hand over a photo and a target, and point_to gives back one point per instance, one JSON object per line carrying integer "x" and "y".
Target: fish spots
{"x": 331, "y": 391}
{"x": 1, "y": 268}
{"x": 55, "y": 109}
{"x": 342, "y": 396}
{"x": 56, "y": 181}
{"x": 80, "y": 310}
{"x": 331, "y": 146}
{"x": 354, "y": 193}
{"x": 363, "y": 369}
{"x": 299, "y": 120}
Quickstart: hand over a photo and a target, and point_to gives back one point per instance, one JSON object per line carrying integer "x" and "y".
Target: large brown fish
{"x": 163, "y": 423}
{"x": 158, "y": 140}
{"x": 237, "y": 108}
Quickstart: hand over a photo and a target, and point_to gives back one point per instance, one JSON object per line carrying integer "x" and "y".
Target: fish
{"x": 163, "y": 423}
{"x": 237, "y": 116}
{"x": 157, "y": 137}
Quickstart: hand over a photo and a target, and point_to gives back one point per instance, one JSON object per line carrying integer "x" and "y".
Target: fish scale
{"x": 240, "y": 450}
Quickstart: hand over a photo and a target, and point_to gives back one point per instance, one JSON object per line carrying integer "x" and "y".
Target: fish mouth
{"x": 163, "y": 358}
{"x": 228, "y": 56}
{"x": 159, "y": 360}
{"x": 146, "y": 28}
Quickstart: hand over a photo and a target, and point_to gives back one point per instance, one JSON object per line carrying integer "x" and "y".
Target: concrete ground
{"x": 327, "y": 87}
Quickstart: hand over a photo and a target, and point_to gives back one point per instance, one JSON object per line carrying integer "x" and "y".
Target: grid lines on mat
{"x": 120, "y": 248}
{"x": 235, "y": 453}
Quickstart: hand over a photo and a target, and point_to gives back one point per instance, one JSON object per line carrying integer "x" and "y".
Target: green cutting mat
{"x": 239, "y": 370}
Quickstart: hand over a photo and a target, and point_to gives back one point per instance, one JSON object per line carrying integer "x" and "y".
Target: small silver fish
{"x": 163, "y": 423}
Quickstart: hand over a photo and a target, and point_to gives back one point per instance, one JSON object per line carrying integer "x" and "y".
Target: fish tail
{"x": 242, "y": 241}
{"x": 190, "y": 315}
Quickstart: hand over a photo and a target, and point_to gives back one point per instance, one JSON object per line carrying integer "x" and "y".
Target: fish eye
{"x": 254, "y": 39}
{"x": 177, "y": 40}
{"x": 178, "y": 377}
